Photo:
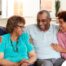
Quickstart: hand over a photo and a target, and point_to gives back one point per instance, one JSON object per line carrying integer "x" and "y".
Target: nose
{"x": 40, "y": 23}
{"x": 22, "y": 30}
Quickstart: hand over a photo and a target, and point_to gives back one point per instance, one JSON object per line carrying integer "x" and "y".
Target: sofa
{"x": 2, "y": 30}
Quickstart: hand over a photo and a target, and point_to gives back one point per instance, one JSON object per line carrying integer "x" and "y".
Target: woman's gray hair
{"x": 12, "y": 23}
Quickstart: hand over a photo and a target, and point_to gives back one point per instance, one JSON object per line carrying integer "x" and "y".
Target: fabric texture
{"x": 62, "y": 42}
{"x": 23, "y": 45}
{"x": 42, "y": 41}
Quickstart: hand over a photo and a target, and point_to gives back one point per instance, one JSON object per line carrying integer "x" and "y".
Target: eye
{"x": 42, "y": 20}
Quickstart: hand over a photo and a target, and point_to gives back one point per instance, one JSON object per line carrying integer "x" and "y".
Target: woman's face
{"x": 62, "y": 25}
{"x": 19, "y": 29}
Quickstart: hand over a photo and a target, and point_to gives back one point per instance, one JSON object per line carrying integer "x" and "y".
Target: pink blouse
{"x": 62, "y": 42}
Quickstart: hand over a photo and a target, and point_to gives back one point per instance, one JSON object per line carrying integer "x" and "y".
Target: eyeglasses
{"x": 20, "y": 26}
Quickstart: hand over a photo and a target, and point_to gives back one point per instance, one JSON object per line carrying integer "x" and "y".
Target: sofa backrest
{"x": 2, "y": 30}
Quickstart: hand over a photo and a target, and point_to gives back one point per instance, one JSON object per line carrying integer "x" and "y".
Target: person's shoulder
{"x": 3, "y": 37}
{"x": 31, "y": 26}
{"x": 60, "y": 33}
{"x": 25, "y": 36}
{"x": 55, "y": 26}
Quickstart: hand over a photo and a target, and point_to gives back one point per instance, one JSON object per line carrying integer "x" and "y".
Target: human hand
{"x": 13, "y": 64}
{"x": 24, "y": 62}
{"x": 56, "y": 47}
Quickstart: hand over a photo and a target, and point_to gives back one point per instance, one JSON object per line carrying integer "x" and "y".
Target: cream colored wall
{"x": 29, "y": 20}
{"x": 3, "y": 22}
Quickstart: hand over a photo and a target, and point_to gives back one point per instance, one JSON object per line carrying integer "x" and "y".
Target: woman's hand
{"x": 24, "y": 63}
{"x": 15, "y": 64}
{"x": 56, "y": 47}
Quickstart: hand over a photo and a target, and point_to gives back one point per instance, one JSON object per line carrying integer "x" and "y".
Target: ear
{"x": 49, "y": 19}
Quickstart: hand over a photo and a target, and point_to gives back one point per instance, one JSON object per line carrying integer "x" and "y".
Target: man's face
{"x": 43, "y": 22}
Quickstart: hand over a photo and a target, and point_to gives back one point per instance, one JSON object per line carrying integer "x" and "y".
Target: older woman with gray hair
{"x": 15, "y": 47}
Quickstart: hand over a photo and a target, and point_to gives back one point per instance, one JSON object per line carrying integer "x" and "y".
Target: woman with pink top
{"x": 61, "y": 47}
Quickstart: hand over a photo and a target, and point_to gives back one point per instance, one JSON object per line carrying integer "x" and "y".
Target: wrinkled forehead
{"x": 42, "y": 16}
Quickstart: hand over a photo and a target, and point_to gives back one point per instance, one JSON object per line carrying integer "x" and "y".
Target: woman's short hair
{"x": 62, "y": 15}
{"x": 12, "y": 22}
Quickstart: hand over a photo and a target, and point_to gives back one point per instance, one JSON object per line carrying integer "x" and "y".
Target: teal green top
{"x": 23, "y": 45}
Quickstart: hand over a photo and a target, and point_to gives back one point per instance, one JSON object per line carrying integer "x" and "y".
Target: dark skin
{"x": 43, "y": 22}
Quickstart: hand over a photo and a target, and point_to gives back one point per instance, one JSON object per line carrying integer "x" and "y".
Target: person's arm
{"x": 58, "y": 48}
{"x": 30, "y": 50}
{"x": 2, "y": 60}
{"x": 31, "y": 60}
{"x": 6, "y": 62}
{"x": 31, "y": 54}
{"x": 32, "y": 57}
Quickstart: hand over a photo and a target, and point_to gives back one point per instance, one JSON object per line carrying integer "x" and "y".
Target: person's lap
{"x": 58, "y": 62}
{"x": 49, "y": 62}
{"x": 20, "y": 65}
{"x": 43, "y": 63}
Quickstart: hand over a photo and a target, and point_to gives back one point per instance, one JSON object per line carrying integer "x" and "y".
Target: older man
{"x": 43, "y": 34}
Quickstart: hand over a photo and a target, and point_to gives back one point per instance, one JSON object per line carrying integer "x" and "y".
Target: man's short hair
{"x": 44, "y": 11}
